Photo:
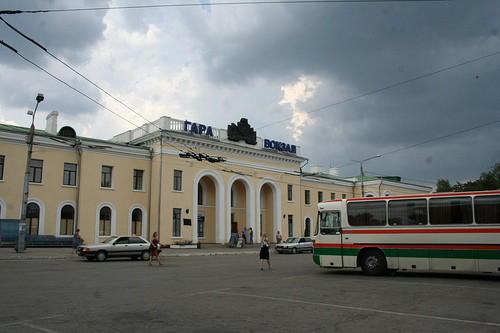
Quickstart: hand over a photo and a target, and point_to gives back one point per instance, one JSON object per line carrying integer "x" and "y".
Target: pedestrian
{"x": 153, "y": 249}
{"x": 264, "y": 251}
{"x": 244, "y": 234}
{"x": 76, "y": 240}
{"x": 278, "y": 237}
{"x": 250, "y": 232}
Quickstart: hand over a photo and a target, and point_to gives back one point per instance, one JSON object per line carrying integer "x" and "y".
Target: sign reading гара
{"x": 280, "y": 146}
{"x": 197, "y": 128}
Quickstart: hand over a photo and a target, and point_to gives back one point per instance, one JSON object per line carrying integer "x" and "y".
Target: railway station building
{"x": 191, "y": 182}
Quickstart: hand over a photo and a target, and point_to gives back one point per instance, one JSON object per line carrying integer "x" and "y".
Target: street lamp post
{"x": 21, "y": 243}
{"x": 362, "y": 173}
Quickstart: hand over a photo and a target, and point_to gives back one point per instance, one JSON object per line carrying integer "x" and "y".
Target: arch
{"x": 311, "y": 223}
{"x": 144, "y": 220}
{"x": 113, "y": 220}
{"x": 276, "y": 190}
{"x": 369, "y": 194}
{"x": 58, "y": 217}
{"x": 387, "y": 193}
{"x": 250, "y": 203}
{"x": 3, "y": 209}
{"x": 41, "y": 218}
{"x": 219, "y": 200}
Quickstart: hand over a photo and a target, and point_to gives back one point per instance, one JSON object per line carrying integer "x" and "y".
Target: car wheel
{"x": 100, "y": 256}
{"x": 373, "y": 263}
{"x": 90, "y": 258}
{"x": 145, "y": 255}
{"x": 294, "y": 250}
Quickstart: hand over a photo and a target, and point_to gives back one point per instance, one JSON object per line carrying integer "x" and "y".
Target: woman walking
{"x": 264, "y": 251}
{"x": 153, "y": 252}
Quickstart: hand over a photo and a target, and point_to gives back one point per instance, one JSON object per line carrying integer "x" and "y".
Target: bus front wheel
{"x": 373, "y": 263}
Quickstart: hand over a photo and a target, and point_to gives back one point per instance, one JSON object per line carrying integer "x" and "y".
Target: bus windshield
{"x": 329, "y": 222}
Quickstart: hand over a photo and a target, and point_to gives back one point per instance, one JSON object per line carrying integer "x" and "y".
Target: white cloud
{"x": 295, "y": 94}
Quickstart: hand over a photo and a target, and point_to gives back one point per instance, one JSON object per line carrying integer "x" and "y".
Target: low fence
{"x": 9, "y": 233}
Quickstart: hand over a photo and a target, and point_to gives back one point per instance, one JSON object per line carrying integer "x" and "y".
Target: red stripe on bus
{"x": 423, "y": 231}
{"x": 414, "y": 246}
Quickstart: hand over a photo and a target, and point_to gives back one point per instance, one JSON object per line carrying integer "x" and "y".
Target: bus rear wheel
{"x": 373, "y": 263}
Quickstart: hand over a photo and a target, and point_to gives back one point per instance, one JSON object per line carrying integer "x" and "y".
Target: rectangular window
{"x": 408, "y": 212}
{"x": 371, "y": 213}
{"x": 344, "y": 196}
{"x": 450, "y": 210}
{"x": 138, "y": 179}
{"x": 308, "y": 197}
{"x": 177, "y": 180}
{"x": 332, "y": 196}
{"x": 176, "y": 225}
{"x": 320, "y": 197}
{"x": 69, "y": 175}
{"x": 487, "y": 209}
{"x": 2, "y": 165}
{"x": 290, "y": 225}
{"x": 36, "y": 168}
{"x": 290, "y": 192}
{"x": 106, "y": 176}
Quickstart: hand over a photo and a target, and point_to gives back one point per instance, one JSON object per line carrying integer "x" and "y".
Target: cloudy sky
{"x": 415, "y": 81}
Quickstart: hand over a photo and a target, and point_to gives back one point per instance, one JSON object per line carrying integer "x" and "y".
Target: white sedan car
{"x": 116, "y": 246}
{"x": 294, "y": 245}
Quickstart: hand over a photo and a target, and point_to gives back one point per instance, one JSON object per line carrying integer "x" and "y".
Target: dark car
{"x": 294, "y": 245}
{"x": 116, "y": 246}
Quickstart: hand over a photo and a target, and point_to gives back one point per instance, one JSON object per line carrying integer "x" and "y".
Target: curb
{"x": 76, "y": 257}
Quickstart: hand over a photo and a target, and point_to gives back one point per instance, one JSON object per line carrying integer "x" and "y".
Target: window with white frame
{"x": 105, "y": 221}
{"x": 69, "y": 175}
{"x": 36, "y": 168}
{"x": 290, "y": 192}
{"x": 67, "y": 223}
{"x": 176, "y": 223}
{"x": 138, "y": 180}
{"x": 307, "y": 197}
{"x": 137, "y": 222}
{"x": 290, "y": 225}
{"x": 107, "y": 176}
{"x": 2, "y": 166}
{"x": 177, "y": 180}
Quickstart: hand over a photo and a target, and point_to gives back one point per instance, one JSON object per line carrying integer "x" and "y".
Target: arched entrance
{"x": 241, "y": 205}
{"x": 268, "y": 208}
{"x": 208, "y": 216}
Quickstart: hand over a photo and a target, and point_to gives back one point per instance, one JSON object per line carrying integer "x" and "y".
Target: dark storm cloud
{"x": 243, "y": 56}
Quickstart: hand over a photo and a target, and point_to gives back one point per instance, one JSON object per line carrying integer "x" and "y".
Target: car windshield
{"x": 292, "y": 240}
{"x": 110, "y": 239}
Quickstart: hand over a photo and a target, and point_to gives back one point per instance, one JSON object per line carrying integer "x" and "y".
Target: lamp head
{"x": 39, "y": 98}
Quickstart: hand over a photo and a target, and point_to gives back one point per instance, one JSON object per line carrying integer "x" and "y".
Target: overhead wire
{"x": 85, "y": 78}
{"x": 212, "y": 4}
{"x": 225, "y": 4}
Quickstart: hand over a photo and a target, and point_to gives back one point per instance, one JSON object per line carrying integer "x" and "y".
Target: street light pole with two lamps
{"x": 21, "y": 242}
{"x": 362, "y": 173}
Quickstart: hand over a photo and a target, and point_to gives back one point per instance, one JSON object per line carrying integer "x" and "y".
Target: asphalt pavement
{"x": 35, "y": 253}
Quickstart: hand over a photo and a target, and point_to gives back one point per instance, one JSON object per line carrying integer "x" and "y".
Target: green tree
{"x": 489, "y": 180}
{"x": 443, "y": 185}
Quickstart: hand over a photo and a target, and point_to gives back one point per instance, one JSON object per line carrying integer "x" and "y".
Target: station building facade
{"x": 190, "y": 182}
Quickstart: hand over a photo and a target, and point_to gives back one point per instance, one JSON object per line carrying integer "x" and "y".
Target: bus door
{"x": 349, "y": 254}
{"x": 329, "y": 245}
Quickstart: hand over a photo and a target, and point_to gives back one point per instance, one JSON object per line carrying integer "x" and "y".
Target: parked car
{"x": 116, "y": 246}
{"x": 294, "y": 245}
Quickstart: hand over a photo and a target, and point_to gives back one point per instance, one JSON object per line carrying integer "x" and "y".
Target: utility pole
{"x": 21, "y": 241}
{"x": 363, "y": 174}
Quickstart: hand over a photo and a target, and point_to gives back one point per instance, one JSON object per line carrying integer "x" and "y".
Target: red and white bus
{"x": 445, "y": 232}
